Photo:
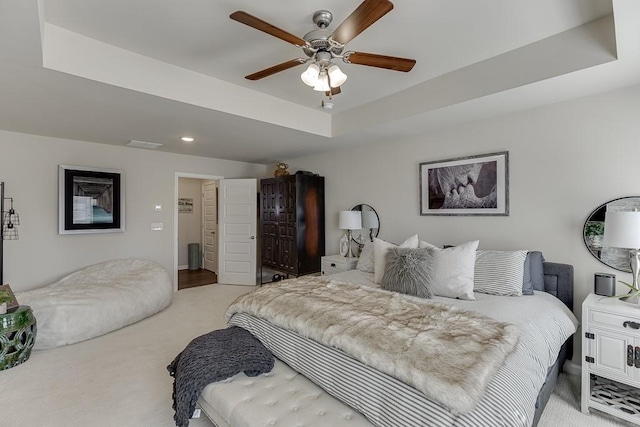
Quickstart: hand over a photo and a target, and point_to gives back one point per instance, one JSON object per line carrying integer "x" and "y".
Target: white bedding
{"x": 545, "y": 323}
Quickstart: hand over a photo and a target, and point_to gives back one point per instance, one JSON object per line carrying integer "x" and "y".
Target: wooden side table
{"x": 17, "y": 336}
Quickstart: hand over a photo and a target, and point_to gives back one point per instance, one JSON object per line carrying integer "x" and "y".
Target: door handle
{"x": 253, "y": 237}
{"x": 213, "y": 232}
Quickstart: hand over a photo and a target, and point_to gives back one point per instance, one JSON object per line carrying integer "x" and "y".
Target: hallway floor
{"x": 193, "y": 278}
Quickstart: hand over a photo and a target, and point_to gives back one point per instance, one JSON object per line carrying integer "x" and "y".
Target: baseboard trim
{"x": 572, "y": 368}
{"x": 183, "y": 267}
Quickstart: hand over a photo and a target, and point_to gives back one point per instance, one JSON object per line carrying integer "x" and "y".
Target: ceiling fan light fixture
{"x": 336, "y": 76}
{"x": 310, "y": 75}
{"x": 323, "y": 83}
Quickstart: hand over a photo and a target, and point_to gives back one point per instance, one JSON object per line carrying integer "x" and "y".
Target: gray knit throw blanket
{"x": 213, "y": 357}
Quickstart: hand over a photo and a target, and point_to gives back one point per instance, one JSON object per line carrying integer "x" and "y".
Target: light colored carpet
{"x": 120, "y": 379}
{"x": 563, "y": 408}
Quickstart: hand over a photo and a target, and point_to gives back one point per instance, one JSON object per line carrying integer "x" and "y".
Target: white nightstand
{"x": 611, "y": 357}
{"x": 332, "y": 264}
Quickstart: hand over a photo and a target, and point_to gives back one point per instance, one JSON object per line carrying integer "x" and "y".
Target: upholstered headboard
{"x": 558, "y": 281}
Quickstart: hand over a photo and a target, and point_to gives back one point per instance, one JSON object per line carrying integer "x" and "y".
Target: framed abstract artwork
{"x": 91, "y": 200}
{"x": 474, "y": 185}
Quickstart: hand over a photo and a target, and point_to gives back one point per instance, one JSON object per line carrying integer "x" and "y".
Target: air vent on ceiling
{"x": 143, "y": 144}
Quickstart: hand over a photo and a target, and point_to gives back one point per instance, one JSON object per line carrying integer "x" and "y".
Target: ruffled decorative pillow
{"x": 408, "y": 272}
{"x": 380, "y": 248}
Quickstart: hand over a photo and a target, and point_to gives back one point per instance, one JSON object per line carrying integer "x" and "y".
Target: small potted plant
{"x": 5, "y": 298}
{"x": 632, "y": 297}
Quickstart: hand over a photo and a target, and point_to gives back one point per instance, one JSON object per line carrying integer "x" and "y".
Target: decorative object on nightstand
{"x": 344, "y": 245}
{"x": 622, "y": 230}
{"x": 332, "y": 264}
{"x": 611, "y": 357}
{"x": 349, "y": 220}
{"x": 8, "y": 230}
{"x": 17, "y": 336}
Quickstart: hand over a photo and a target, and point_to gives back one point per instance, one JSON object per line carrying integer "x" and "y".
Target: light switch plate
{"x": 157, "y": 226}
{"x": 157, "y": 208}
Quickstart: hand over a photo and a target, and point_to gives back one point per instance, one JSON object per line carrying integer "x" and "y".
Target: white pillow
{"x": 452, "y": 271}
{"x": 365, "y": 262}
{"x": 423, "y": 245}
{"x": 380, "y": 250}
{"x": 499, "y": 272}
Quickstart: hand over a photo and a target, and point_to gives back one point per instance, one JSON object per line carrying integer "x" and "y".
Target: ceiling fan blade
{"x": 360, "y": 19}
{"x": 380, "y": 61}
{"x": 275, "y": 69}
{"x": 333, "y": 91}
{"x": 259, "y": 24}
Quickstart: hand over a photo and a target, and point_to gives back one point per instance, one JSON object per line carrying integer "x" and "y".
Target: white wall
{"x": 564, "y": 160}
{"x": 29, "y": 168}
{"x": 189, "y": 224}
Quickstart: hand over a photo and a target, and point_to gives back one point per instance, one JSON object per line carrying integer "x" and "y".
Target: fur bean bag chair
{"x": 97, "y": 300}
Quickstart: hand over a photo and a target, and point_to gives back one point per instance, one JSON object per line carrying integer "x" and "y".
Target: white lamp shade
{"x": 323, "y": 83}
{"x": 622, "y": 230}
{"x": 350, "y": 220}
{"x": 310, "y": 75}
{"x": 369, "y": 220}
{"x": 336, "y": 76}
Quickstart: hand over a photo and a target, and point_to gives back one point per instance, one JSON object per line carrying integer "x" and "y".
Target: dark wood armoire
{"x": 292, "y": 223}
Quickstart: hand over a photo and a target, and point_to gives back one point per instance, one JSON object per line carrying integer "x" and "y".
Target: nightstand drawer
{"x": 334, "y": 264}
{"x": 615, "y": 322}
{"x": 330, "y": 270}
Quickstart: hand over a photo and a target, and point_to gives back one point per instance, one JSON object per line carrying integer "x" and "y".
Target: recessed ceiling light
{"x": 187, "y": 139}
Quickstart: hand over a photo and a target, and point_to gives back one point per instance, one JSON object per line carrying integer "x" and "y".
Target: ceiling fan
{"x": 322, "y": 46}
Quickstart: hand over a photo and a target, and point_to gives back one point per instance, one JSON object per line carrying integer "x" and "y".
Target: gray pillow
{"x": 527, "y": 282}
{"x": 537, "y": 270}
{"x": 408, "y": 271}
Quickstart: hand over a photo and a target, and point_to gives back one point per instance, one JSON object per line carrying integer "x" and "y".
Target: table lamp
{"x": 349, "y": 220}
{"x": 622, "y": 230}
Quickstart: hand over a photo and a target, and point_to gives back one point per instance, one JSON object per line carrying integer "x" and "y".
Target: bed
{"x": 314, "y": 384}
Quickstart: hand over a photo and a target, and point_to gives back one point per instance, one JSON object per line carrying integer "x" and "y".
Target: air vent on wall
{"x": 143, "y": 144}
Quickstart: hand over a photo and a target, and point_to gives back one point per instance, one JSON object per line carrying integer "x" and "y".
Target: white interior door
{"x": 237, "y": 218}
{"x": 210, "y": 226}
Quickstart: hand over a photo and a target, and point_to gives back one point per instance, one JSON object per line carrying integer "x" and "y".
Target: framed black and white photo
{"x": 474, "y": 185}
{"x": 91, "y": 200}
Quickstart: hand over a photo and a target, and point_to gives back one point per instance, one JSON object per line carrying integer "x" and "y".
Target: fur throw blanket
{"x": 448, "y": 353}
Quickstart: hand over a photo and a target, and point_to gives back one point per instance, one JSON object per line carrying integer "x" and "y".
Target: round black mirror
{"x": 593, "y": 233}
{"x": 370, "y": 224}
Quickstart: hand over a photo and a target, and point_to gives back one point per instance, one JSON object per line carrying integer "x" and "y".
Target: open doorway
{"x": 196, "y": 230}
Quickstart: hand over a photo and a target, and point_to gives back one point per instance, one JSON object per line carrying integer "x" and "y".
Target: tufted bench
{"x": 282, "y": 397}
{"x": 96, "y": 300}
